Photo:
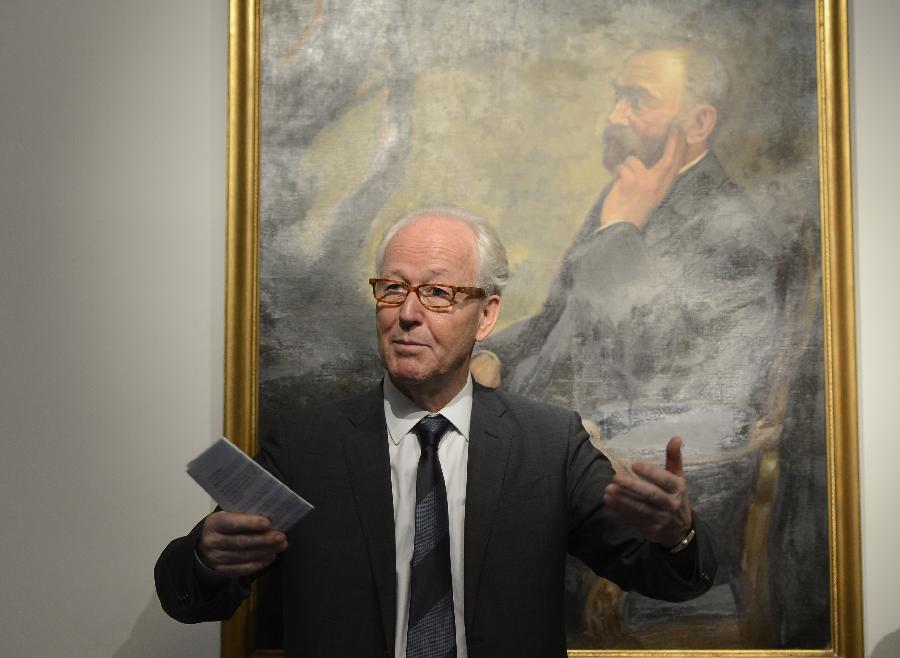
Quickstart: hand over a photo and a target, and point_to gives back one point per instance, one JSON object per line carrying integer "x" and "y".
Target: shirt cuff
{"x": 615, "y": 223}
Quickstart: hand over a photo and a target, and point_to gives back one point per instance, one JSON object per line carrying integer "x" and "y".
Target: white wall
{"x": 112, "y": 131}
{"x": 876, "y": 85}
{"x": 112, "y": 183}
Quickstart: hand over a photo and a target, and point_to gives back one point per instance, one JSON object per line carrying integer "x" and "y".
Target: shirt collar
{"x": 692, "y": 163}
{"x": 401, "y": 414}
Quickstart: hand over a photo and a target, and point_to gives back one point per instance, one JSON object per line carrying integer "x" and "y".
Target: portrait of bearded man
{"x": 668, "y": 307}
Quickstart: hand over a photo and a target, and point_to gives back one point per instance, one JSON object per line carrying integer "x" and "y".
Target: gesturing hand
{"x": 636, "y": 190}
{"x": 237, "y": 544}
{"x": 655, "y": 500}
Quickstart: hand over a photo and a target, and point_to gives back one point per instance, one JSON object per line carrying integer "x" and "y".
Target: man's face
{"x": 649, "y": 91}
{"x": 423, "y": 349}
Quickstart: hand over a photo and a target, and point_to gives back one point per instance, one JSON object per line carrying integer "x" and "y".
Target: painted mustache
{"x": 620, "y": 142}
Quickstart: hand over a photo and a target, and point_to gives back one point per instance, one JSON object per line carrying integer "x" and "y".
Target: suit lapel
{"x": 368, "y": 464}
{"x": 488, "y": 456}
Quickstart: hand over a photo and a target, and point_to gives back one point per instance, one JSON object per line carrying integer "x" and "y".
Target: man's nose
{"x": 411, "y": 309}
{"x": 619, "y": 114}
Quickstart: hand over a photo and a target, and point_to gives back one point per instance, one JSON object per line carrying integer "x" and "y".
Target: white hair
{"x": 493, "y": 266}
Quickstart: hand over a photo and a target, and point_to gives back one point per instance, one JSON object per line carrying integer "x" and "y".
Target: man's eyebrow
{"x": 431, "y": 276}
{"x": 635, "y": 90}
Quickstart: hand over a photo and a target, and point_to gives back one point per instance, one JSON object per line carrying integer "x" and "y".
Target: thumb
{"x": 673, "y": 456}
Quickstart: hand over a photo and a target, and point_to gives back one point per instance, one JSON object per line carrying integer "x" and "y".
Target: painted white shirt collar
{"x": 693, "y": 162}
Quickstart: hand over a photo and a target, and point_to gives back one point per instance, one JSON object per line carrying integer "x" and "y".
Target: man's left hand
{"x": 654, "y": 500}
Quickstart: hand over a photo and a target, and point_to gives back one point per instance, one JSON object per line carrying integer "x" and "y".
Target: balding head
{"x": 493, "y": 266}
{"x": 705, "y": 78}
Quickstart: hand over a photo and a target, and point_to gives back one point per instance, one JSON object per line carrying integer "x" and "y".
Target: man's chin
{"x": 403, "y": 379}
{"x": 407, "y": 375}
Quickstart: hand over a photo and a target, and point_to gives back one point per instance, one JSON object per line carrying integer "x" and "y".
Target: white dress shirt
{"x": 401, "y": 414}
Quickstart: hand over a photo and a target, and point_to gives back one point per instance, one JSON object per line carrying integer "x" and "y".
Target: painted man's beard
{"x": 619, "y": 142}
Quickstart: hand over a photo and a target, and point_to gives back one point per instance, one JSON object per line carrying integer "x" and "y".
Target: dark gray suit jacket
{"x": 534, "y": 492}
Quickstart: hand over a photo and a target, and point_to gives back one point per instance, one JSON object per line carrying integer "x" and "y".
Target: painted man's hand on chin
{"x": 636, "y": 190}
{"x": 654, "y": 500}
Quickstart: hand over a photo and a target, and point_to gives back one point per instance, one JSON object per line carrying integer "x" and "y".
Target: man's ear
{"x": 487, "y": 317}
{"x": 700, "y": 124}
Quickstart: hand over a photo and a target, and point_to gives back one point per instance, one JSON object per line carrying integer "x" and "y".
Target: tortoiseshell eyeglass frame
{"x": 470, "y": 291}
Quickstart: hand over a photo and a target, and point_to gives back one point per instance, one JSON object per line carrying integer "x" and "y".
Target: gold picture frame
{"x": 241, "y": 412}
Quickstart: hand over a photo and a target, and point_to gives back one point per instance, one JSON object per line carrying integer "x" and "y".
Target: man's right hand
{"x": 636, "y": 190}
{"x": 235, "y": 544}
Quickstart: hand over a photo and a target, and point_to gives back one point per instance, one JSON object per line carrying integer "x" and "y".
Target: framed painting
{"x": 717, "y": 304}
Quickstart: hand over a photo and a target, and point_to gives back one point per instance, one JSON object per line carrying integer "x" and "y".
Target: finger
{"x": 655, "y": 525}
{"x": 673, "y": 153}
{"x": 247, "y": 541}
{"x": 648, "y": 475}
{"x": 634, "y": 510}
{"x": 632, "y": 165}
{"x": 236, "y": 522}
{"x": 228, "y": 549}
{"x": 622, "y": 495}
{"x": 242, "y": 557}
{"x": 648, "y": 492}
{"x": 673, "y": 456}
{"x": 247, "y": 569}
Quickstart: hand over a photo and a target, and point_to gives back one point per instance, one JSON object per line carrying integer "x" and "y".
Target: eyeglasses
{"x": 434, "y": 296}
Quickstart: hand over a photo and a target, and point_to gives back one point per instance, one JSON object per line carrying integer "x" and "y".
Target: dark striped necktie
{"x": 431, "y": 632}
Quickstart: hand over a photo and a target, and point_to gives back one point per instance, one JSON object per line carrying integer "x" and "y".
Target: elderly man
{"x": 667, "y": 307}
{"x": 444, "y": 510}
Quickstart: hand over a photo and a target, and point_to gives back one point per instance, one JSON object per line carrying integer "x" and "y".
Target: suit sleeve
{"x": 613, "y": 550}
{"x": 184, "y": 594}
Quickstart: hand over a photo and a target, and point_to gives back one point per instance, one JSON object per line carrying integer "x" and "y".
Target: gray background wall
{"x": 112, "y": 188}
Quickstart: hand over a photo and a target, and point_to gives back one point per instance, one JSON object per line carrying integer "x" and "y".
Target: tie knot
{"x": 430, "y": 429}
